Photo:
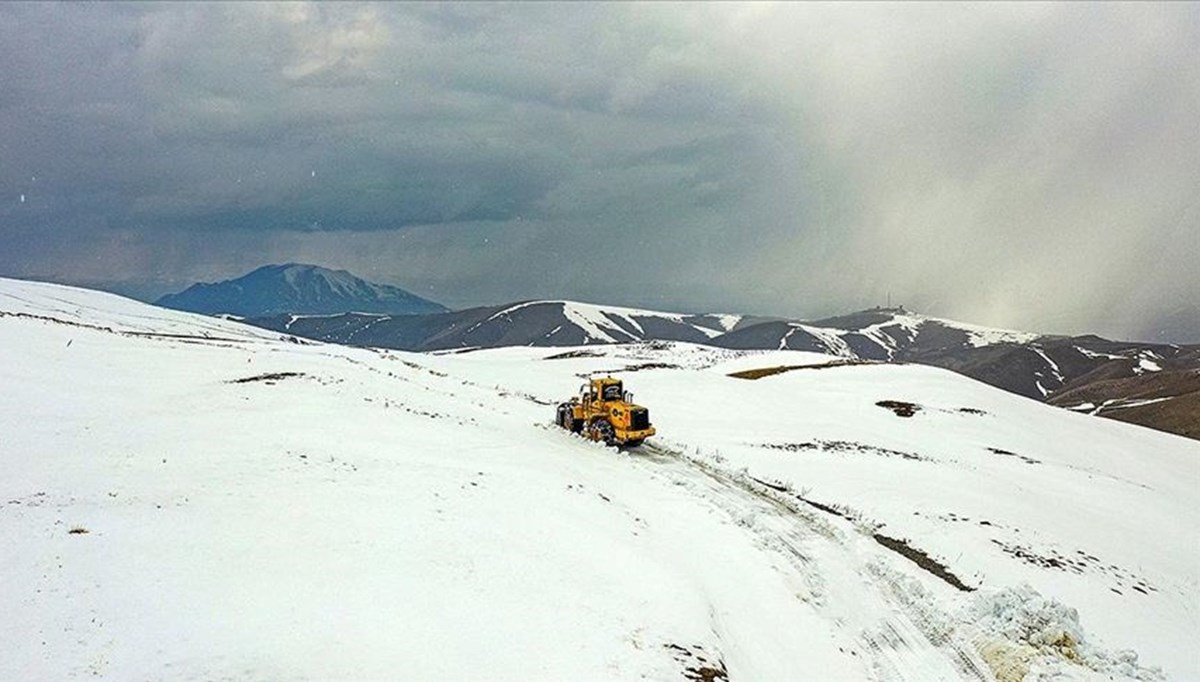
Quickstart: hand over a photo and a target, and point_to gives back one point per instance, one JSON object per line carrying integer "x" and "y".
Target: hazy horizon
{"x": 151, "y": 293}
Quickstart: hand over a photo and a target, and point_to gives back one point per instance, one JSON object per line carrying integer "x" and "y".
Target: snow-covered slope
{"x": 239, "y": 506}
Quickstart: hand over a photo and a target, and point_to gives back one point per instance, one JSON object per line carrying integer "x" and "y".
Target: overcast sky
{"x": 1025, "y": 165}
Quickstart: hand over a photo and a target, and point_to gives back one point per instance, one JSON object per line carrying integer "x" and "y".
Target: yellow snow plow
{"x": 603, "y": 411}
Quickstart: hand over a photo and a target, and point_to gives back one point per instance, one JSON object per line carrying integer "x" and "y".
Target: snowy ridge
{"x": 266, "y": 478}
{"x": 878, "y": 334}
{"x": 1093, "y": 354}
{"x": 613, "y": 324}
{"x": 73, "y": 305}
{"x": 881, "y": 333}
{"x": 727, "y": 322}
{"x": 978, "y": 336}
{"x": 832, "y": 340}
{"x": 986, "y": 336}
{"x": 510, "y": 310}
{"x": 592, "y": 320}
{"x": 598, "y": 313}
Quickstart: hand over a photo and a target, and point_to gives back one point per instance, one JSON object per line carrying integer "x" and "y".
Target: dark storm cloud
{"x": 1023, "y": 165}
{"x": 233, "y": 125}
{"x": 328, "y": 117}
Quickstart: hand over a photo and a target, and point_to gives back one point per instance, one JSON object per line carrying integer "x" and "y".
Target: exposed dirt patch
{"x": 1139, "y": 399}
{"x": 1009, "y": 453}
{"x": 753, "y": 374}
{"x": 844, "y": 446}
{"x": 632, "y": 368}
{"x": 951, "y": 517}
{"x": 651, "y": 365}
{"x": 1079, "y": 563}
{"x": 1009, "y": 661}
{"x": 900, "y": 407}
{"x": 302, "y": 461}
{"x": 526, "y": 396}
{"x": 79, "y": 530}
{"x": 780, "y": 369}
{"x": 777, "y": 487}
{"x": 697, "y": 666}
{"x": 838, "y": 510}
{"x": 972, "y": 410}
{"x": 1051, "y": 559}
{"x": 923, "y": 560}
{"x": 824, "y": 507}
{"x": 574, "y": 354}
{"x": 181, "y": 337}
{"x": 269, "y": 378}
{"x": 1179, "y": 415}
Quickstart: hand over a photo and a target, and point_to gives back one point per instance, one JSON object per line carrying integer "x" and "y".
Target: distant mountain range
{"x": 529, "y": 323}
{"x": 300, "y": 289}
{"x": 1156, "y": 385}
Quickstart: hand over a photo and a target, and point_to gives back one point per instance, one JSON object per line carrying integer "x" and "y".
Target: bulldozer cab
{"x": 604, "y": 389}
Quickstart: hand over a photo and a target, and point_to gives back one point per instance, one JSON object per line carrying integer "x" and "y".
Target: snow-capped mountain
{"x": 1033, "y": 365}
{"x": 299, "y": 289}
{"x": 1036, "y": 366}
{"x": 879, "y": 334}
{"x": 528, "y": 323}
{"x": 191, "y": 498}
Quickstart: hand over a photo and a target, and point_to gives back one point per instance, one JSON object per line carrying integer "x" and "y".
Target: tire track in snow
{"x": 832, "y": 565}
{"x": 835, "y": 570}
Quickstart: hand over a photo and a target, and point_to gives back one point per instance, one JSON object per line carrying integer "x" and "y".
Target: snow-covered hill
{"x": 884, "y": 334}
{"x": 880, "y": 334}
{"x": 528, "y": 323}
{"x": 297, "y": 288}
{"x": 1089, "y": 369}
{"x": 189, "y": 498}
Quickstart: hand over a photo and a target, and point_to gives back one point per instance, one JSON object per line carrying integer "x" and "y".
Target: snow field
{"x": 362, "y": 519}
{"x": 259, "y": 509}
{"x": 1007, "y": 492}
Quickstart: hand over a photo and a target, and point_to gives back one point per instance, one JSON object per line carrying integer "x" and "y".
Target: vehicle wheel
{"x": 560, "y": 416}
{"x": 602, "y": 430}
{"x": 633, "y": 443}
